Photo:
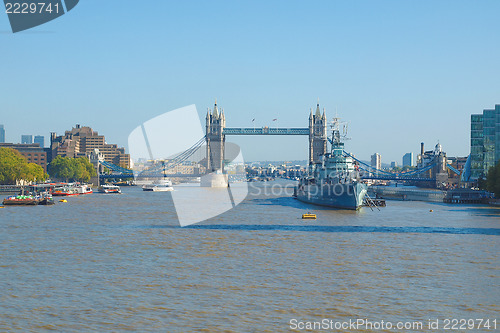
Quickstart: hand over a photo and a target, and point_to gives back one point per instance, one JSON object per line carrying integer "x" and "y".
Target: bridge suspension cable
{"x": 177, "y": 160}
{"x": 449, "y": 166}
{"x": 386, "y": 173}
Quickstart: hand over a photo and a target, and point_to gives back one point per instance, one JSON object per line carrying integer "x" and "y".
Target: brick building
{"x": 82, "y": 141}
{"x": 33, "y": 153}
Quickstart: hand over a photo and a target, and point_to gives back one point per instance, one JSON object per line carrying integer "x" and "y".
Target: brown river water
{"x": 122, "y": 263}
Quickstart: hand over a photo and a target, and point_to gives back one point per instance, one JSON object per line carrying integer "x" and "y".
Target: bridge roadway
{"x": 265, "y": 131}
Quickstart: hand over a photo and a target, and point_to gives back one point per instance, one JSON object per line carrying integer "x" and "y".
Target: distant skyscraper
{"x": 408, "y": 159}
{"x": 394, "y": 165}
{"x": 377, "y": 161}
{"x": 2, "y": 134}
{"x": 26, "y": 138}
{"x": 40, "y": 139}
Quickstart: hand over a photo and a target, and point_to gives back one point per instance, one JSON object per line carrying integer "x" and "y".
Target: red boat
{"x": 65, "y": 191}
{"x": 72, "y": 189}
{"x": 84, "y": 189}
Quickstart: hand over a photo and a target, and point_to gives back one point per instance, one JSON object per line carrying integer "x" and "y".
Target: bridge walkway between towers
{"x": 265, "y": 131}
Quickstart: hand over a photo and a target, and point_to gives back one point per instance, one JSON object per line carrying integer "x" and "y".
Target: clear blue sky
{"x": 400, "y": 72}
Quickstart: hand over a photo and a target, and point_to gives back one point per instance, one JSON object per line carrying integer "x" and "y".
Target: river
{"x": 122, "y": 263}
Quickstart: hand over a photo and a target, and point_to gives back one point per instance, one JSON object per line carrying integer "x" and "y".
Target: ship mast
{"x": 338, "y": 137}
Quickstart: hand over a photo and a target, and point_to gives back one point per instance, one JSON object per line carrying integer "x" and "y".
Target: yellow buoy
{"x": 63, "y": 200}
{"x": 309, "y": 216}
{"x": 431, "y": 211}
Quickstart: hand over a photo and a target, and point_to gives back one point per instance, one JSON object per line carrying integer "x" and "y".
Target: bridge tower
{"x": 317, "y": 135}
{"x": 215, "y": 124}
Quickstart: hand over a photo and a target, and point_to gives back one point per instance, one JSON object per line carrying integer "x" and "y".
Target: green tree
{"x": 14, "y": 167}
{"x": 60, "y": 168}
{"x": 482, "y": 183}
{"x": 408, "y": 168}
{"x": 71, "y": 169}
{"x": 33, "y": 172}
{"x": 84, "y": 170}
{"x": 493, "y": 180}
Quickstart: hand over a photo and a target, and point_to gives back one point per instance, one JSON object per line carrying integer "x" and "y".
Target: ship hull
{"x": 25, "y": 202}
{"x": 157, "y": 188}
{"x": 341, "y": 196}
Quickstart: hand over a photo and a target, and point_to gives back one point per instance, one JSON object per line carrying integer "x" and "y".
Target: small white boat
{"x": 109, "y": 189}
{"x": 84, "y": 189}
{"x": 159, "y": 186}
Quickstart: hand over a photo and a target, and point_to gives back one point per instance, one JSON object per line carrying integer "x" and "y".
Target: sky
{"x": 400, "y": 72}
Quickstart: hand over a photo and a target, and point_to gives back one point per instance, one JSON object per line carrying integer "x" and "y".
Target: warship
{"x": 334, "y": 181}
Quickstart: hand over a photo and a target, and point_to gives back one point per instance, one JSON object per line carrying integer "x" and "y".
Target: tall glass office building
{"x": 484, "y": 141}
{"x": 408, "y": 159}
{"x": 40, "y": 139}
{"x": 27, "y": 139}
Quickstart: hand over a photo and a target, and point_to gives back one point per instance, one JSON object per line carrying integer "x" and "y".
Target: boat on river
{"x": 109, "y": 189}
{"x": 159, "y": 186}
{"x": 84, "y": 189}
{"x": 72, "y": 189}
{"x": 334, "y": 182}
{"x": 20, "y": 200}
{"x": 29, "y": 200}
{"x": 65, "y": 191}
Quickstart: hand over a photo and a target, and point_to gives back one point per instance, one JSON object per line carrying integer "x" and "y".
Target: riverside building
{"x": 82, "y": 141}
{"x": 31, "y": 151}
{"x": 484, "y": 142}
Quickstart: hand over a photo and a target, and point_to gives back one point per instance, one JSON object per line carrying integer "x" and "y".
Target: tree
{"x": 481, "y": 183}
{"x": 72, "y": 169}
{"x": 84, "y": 170}
{"x": 14, "y": 167}
{"x": 33, "y": 172}
{"x": 493, "y": 180}
{"x": 60, "y": 167}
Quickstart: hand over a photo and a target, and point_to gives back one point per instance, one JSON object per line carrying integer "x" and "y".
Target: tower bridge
{"x": 215, "y": 143}
{"x": 216, "y": 132}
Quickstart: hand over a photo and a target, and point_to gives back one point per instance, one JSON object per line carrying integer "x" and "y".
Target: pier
{"x": 467, "y": 196}
{"x": 406, "y": 194}
{"x": 10, "y": 188}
